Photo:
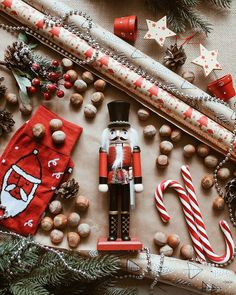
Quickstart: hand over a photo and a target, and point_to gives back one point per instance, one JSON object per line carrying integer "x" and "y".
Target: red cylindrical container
{"x": 126, "y": 27}
{"x": 222, "y": 88}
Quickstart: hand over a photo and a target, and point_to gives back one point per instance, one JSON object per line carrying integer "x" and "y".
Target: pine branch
{"x": 221, "y": 3}
{"x": 21, "y": 288}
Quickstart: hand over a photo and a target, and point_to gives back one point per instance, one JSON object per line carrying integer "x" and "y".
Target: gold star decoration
{"x": 207, "y": 60}
{"x": 158, "y": 31}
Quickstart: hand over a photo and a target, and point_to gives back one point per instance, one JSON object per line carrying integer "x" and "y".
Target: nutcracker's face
{"x": 119, "y": 135}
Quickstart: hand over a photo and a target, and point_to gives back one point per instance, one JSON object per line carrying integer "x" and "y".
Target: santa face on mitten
{"x": 31, "y": 170}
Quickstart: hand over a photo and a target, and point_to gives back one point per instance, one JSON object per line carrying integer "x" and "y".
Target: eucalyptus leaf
{"x": 22, "y": 37}
{"x": 24, "y": 97}
{"x": 22, "y": 81}
{"x": 32, "y": 45}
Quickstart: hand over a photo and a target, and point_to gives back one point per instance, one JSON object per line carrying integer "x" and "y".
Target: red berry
{"x": 51, "y": 87}
{"x": 67, "y": 85}
{"x": 55, "y": 63}
{"x": 35, "y": 82}
{"x": 36, "y": 67}
{"x": 66, "y": 77}
{"x": 47, "y": 96}
{"x": 53, "y": 76}
{"x": 60, "y": 93}
{"x": 31, "y": 89}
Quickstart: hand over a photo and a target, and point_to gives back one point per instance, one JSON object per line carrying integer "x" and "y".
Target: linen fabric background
{"x": 145, "y": 220}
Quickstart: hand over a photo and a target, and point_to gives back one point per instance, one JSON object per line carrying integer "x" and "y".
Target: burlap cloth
{"x": 145, "y": 220}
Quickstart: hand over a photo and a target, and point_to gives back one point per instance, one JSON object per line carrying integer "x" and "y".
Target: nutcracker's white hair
{"x": 133, "y": 137}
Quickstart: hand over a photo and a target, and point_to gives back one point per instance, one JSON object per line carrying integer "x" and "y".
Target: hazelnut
{"x": 66, "y": 63}
{"x": 160, "y": 239}
{"x": 173, "y": 240}
{"x": 176, "y": 135}
{"x": 165, "y": 131}
{"x": 73, "y": 219}
{"x": 203, "y": 150}
{"x": 60, "y": 221}
{"x": 223, "y": 173}
{"x": 218, "y": 204}
{"x": 80, "y": 85}
{"x": 73, "y": 239}
{"x": 166, "y": 147}
{"x": 88, "y": 77}
{"x": 166, "y": 250}
{"x": 47, "y": 223}
{"x": 26, "y": 109}
{"x": 149, "y": 131}
{"x": 143, "y": 114}
{"x": 55, "y": 207}
{"x": 97, "y": 98}
{"x": 81, "y": 203}
{"x": 11, "y": 98}
{"x": 189, "y": 76}
{"x": 100, "y": 85}
{"x": 73, "y": 75}
{"x": 211, "y": 161}
{"x": 207, "y": 181}
{"x": 187, "y": 252}
{"x": 76, "y": 100}
{"x": 162, "y": 161}
{"x": 38, "y": 131}
{"x": 56, "y": 236}
{"x": 90, "y": 111}
{"x": 58, "y": 137}
{"x": 84, "y": 230}
{"x": 55, "y": 124}
{"x": 189, "y": 150}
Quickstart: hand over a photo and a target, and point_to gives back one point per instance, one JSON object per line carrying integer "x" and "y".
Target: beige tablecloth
{"x": 145, "y": 220}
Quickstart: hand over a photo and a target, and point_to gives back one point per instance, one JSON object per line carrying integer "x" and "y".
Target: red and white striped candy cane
{"x": 229, "y": 252}
{"x": 187, "y": 212}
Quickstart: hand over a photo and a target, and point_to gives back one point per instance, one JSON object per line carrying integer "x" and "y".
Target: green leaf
{"x": 22, "y": 81}
{"x": 32, "y": 45}
{"x": 24, "y": 97}
{"x": 23, "y": 38}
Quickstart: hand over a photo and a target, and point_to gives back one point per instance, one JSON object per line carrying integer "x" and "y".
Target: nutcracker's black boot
{"x": 113, "y": 226}
{"x": 125, "y": 227}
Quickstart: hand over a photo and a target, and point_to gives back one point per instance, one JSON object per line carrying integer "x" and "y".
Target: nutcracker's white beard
{"x": 119, "y": 157}
{"x": 14, "y": 206}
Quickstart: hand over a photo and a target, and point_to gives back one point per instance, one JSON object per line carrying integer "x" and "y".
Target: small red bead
{"x": 35, "y": 82}
{"x": 60, "y": 93}
{"x": 47, "y": 96}
{"x": 67, "y": 85}
{"x": 55, "y": 63}
{"x": 36, "y": 67}
{"x": 66, "y": 77}
{"x": 51, "y": 87}
{"x": 53, "y": 76}
{"x": 31, "y": 89}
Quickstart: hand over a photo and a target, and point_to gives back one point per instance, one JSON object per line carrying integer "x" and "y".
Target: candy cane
{"x": 187, "y": 212}
{"x": 229, "y": 253}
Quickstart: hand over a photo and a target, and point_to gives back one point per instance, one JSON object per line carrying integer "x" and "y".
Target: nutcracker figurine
{"x": 119, "y": 171}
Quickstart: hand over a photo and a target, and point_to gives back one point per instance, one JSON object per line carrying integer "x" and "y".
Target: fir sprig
{"x": 182, "y": 14}
{"x": 35, "y": 271}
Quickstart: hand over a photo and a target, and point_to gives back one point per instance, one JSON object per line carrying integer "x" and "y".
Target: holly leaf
{"x": 23, "y": 38}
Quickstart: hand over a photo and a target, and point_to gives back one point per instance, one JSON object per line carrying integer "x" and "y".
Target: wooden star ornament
{"x": 158, "y": 31}
{"x": 207, "y": 60}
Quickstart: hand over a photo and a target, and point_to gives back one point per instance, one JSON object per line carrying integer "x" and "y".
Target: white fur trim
{"x": 138, "y": 187}
{"x": 103, "y": 188}
{"x": 27, "y": 176}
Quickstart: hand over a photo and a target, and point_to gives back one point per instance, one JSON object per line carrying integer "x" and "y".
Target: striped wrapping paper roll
{"x": 160, "y": 101}
{"x": 222, "y": 114}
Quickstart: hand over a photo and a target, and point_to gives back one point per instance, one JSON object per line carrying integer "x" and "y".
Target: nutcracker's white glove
{"x": 138, "y": 187}
{"x": 103, "y": 188}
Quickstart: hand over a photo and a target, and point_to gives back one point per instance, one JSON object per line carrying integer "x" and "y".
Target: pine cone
{"x": 18, "y": 55}
{"x": 2, "y": 87}
{"x": 68, "y": 189}
{"x": 175, "y": 57}
{"x": 6, "y": 121}
{"x": 230, "y": 191}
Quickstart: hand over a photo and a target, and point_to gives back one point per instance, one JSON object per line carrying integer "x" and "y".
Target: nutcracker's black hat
{"x": 119, "y": 113}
